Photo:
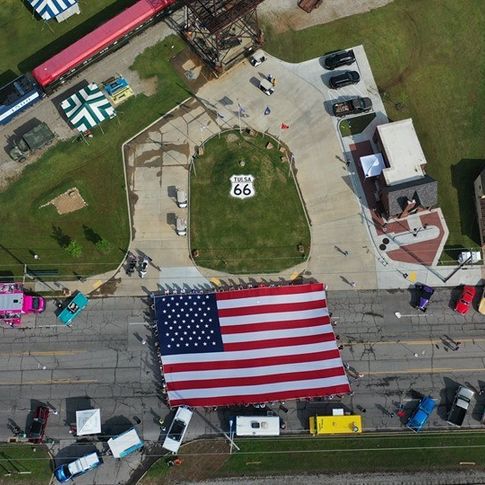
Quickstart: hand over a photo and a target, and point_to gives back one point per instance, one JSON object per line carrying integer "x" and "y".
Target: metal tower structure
{"x": 222, "y": 32}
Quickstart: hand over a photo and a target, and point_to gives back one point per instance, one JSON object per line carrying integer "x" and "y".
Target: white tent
{"x": 88, "y": 422}
{"x": 372, "y": 165}
{"x": 58, "y": 9}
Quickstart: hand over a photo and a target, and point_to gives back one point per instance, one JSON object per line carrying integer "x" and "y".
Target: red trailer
{"x": 112, "y": 34}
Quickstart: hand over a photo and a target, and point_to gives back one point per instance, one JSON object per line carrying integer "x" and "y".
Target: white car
{"x": 177, "y": 429}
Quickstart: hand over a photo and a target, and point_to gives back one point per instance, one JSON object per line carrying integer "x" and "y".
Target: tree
{"x": 103, "y": 246}
{"x": 74, "y": 249}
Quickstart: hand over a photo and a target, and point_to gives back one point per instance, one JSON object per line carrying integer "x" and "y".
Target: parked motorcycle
{"x": 130, "y": 269}
{"x": 144, "y": 267}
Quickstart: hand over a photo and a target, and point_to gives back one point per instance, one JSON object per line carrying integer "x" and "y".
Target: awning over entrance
{"x": 372, "y": 165}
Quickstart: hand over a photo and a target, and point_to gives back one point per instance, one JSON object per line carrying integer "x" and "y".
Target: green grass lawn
{"x": 257, "y": 234}
{"x": 17, "y": 460}
{"x": 26, "y": 40}
{"x": 427, "y": 59}
{"x": 96, "y": 169}
{"x": 366, "y": 453}
{"x": 355, "y": 125}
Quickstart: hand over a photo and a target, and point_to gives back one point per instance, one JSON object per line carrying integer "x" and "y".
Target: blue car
{"x": 78, "y": 467}
{"x": 67, "y": 313}
{"x": 421, "y": 415}
{"x": 424, "y": 296}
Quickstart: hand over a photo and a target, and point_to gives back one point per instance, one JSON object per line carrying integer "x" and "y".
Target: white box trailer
{"x": 125, "y": 443}
{"x": 257, "y": 425}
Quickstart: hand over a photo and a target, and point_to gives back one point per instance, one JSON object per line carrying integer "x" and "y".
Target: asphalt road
{"x": 101, "y": 361}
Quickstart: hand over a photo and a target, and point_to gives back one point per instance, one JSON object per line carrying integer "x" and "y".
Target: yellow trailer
{"x": 339, "y": 424}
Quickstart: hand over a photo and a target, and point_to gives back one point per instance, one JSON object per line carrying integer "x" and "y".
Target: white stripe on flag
{"x": 249, "y": 354}
{"x": 254, "y": 371}
{"x": 276, "y": 334}
{"x": 270, "y": 300}
{"x": 273, "y": 317}
{"x": 259, "y": 388}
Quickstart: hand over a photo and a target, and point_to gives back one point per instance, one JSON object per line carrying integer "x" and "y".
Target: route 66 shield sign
{"x": 242, "y": 186}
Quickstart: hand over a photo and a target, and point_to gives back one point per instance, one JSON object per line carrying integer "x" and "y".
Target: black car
{"x": 337, "y": 59}
{"x": 344, "y": 79}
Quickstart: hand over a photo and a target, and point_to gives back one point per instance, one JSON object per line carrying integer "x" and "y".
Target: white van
{"x": 125, "y": 443}
{"x": 181, "y": 226}
{"x": 177, "y": 429}
{"x": 257, "y": 425}
{"x": 181, "y": 198}
{"x": 266, "y": 87}
{"x": 257, "y": 58}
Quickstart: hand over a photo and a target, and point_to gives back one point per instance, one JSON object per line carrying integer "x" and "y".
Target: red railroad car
{"x": 112, "y": 34}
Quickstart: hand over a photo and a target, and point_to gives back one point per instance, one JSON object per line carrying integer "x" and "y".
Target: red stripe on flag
{"x": 246, "y": 363}
{"x": 278, "y": 307}
{"x": 258, "y": 398}
{"x": 257, "y": 327}
{"x": 281, "y": 342}
{"x": 269, "y": 291}
{"x": 255, "y": 380}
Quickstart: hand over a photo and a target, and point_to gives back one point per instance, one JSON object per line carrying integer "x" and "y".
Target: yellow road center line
{"x": 45, "y": 353}
{"x": 418, "y": 342}
{"x": 53, "y": 381}
{"x": 423, "y": 371}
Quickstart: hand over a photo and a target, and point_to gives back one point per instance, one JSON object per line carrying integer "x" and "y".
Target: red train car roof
{"x": 97, "y": 40}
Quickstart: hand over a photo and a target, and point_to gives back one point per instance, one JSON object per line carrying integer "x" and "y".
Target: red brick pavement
{"x": 422, "y": 252}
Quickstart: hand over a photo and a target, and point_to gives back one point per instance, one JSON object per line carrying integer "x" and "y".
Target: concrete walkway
{"x": 345, "y": 243}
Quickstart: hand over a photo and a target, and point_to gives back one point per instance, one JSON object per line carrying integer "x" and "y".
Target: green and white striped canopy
{"x": 87, "y": 108}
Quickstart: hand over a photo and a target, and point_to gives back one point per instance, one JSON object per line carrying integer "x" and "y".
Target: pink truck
{"x": 14, "y": 303}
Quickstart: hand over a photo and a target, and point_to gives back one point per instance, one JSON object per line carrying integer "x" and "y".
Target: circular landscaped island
{"x": 245, "y": 212}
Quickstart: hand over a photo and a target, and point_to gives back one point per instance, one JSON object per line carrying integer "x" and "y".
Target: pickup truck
{"x": 76, "y": 468}
{"x": 352, "y": 106}
{"x": 460, "y": 406}
{"x": 36, "y": 138}
{"x": 421, "y": 415}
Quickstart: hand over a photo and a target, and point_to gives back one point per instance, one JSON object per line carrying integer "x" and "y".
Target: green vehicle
{"x": 35, "y": 139}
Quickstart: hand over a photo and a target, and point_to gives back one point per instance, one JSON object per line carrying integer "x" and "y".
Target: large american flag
{"x": 248, "y": 346}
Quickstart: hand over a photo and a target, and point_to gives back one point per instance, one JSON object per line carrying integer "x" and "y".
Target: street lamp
{"x": 230, "y": 435}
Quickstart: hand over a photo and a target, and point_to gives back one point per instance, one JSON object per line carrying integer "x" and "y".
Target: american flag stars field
{"x": 248, "y": 346}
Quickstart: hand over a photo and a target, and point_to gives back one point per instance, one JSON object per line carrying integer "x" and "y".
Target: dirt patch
{"x": 70, "y": 201}
{"x": 231, "y": 138}
{"x": 149, "y": 86}
{"x": 200, "y": 461}
{"x": 285, "y": 15}
{"x": 192, "y": 69}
